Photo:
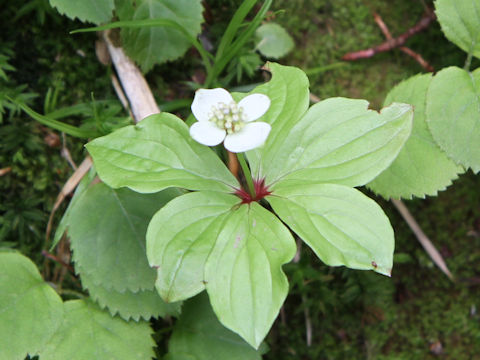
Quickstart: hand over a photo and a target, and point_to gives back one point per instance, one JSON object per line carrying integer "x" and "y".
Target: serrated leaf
{"x": 453, "y": 114}
{"x": 150, "y": 46}
{"x": 30, "y": 310}
{"x": 180, "y": 238}
{"x": 107, "y": 234}
{"x": 289, "y": 100}
{"x": 89, "y": 333}
{"x": 129, "y": 305}
{"x": 79, "y": 191}
{"x": 460, "y": 20}
{"x": 198, "y": 335}
{"x": 421, "y": 168}
{"x": 273, "y": 41}
{"x": 243, "y": 273}
{"x": 95, "y": 11}
{"x": 340, "y": 224}
{"x": 339, "y": 141}
{"x": 156, "y": 154}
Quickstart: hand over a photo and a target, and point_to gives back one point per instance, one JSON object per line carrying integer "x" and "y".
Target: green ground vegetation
{"x": 416, "y": 314}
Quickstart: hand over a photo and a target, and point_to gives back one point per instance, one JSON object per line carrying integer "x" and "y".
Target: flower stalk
{"x": 247, "y": 174}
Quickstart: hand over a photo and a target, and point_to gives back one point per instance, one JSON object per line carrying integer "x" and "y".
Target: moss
{"x": 354, "y": 314}
{"x": 361, "y": 315}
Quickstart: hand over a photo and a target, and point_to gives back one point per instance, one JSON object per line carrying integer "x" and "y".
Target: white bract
{"x": 220, "y": 118}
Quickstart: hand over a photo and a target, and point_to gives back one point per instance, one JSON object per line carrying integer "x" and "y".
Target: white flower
{"x": 220, "y": 118}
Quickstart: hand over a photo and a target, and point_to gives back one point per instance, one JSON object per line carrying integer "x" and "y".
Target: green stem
{"x": 248, "y": 175}
{"x": 74, "y": 293}
{"x": 321, "y": 69}
{"x": 233, "y": 26}
{"x": 468, "y": 61}
{"x": 54, "y": 124}
{"x": 233, "y": 48}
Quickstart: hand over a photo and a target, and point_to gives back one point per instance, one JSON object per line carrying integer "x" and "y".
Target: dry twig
{"x": 5, "y": 170}
{"x": 135, "y": 87}
{"x": 392, "y": 43}
{"x": 422, "y": 238}
{"x": 67, "y": 189}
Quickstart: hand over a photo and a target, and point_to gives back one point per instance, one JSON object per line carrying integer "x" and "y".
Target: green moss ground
{"x": 360, "y": 315}
{"x": 353, "y": 314}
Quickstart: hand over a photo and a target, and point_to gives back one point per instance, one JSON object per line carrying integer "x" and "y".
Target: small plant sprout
{"x": 220, "y": 118}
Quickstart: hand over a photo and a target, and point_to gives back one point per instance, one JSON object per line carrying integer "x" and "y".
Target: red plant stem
{"x": 233, "y": 165}
{"x": 392, "y": 42}
{"x": 56, "y": 259}
{"x": 406, "y": 50}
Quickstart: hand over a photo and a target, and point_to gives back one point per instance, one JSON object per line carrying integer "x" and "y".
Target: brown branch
{"x": 416, "y": 56}
{"x": 393, "y": 43}
{"x": 5, "y": 171}
{"x": 58, "y": 260}
{"x": 422, "y": 238}
{"x": 135, "y": 87}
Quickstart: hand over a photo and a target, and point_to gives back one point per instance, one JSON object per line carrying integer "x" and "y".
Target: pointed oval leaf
{"x": 460, "y": 20}
{"x": 129, "y": 305}
{"x": 421, "y": 168}
{"x": 107, "y": 233}
{"x": 453, "y": 114}
{"x": 96, "y": 11}
{"x": 87, "y": 332}
{"x": 339, "y": 141}
{"x": 158, "y": 153}
{"x": 244, "y": 276}
{"x": 289, "y": 100}
{"x": 340, "y": 224}
{"x": 30, "y": 310}
{"x": 153, "y": 45}
{"x": 199, "y": 335}
{"x": 273, "y": 41}
{"x": 180, "y": 238}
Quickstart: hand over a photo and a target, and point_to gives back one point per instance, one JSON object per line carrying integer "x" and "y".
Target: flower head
{"x": 220, "y": 118}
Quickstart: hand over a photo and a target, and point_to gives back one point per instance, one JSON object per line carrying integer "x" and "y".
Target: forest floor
{"x": 418, "y": 313}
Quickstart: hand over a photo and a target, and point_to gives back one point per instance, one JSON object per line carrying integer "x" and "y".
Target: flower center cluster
{"x": 228, "y": 117}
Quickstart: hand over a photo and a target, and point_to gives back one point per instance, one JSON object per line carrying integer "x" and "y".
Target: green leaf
{"x": 54, "y": 124}
{"x": 421, "y": 168}
{"x": 460, "y": 20}
{"x": 289, "y": 96}
{"x": 89, "y": 333}
{"x": 273, "y": 41}
{"x": 95, "y": 11}
{"x": 207, "y": 240}
{"x": 198, "y": 335}
{"x": 338, "y": 141}
{"x": 180, "y": 238}
{"x": 243, "y": 273}
{"x": 156, "y": 154}
{"x": 150, "y": 46}
{"x": 79, "y": 191}
{"x": 340, "y": 224}
{"x": 30, "y": 310}
{"x": 129, "y": 305}
{"x": 107, "y": 233}
{"x": 453, "y": 114}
